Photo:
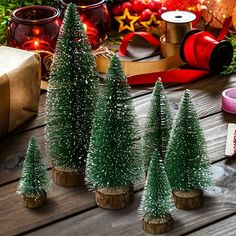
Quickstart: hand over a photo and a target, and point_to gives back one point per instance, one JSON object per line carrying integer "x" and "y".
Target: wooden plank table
{"x": 73, "y": 211}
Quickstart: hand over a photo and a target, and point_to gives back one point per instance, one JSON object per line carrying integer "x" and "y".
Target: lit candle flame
{"x": 36, "y": 43}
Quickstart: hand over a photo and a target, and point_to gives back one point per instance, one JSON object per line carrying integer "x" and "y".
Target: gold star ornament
{"x": 126, "y": 21}
{"x": 152, "y": 25}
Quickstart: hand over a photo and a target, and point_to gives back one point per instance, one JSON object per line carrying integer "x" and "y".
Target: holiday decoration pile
{"x": 97, "y": 135}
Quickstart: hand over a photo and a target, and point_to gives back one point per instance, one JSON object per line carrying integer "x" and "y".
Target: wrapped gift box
{"x": 20, "y": 75}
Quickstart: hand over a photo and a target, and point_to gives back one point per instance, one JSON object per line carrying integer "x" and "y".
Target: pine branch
{"x": 232, "y": 67}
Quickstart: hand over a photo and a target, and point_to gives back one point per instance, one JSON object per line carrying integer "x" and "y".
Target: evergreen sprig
{"x": 232, "y": 67}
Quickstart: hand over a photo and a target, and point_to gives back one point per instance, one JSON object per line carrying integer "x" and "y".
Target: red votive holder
{"x": 35, "y": 28}
{"x": 95, "y": 17}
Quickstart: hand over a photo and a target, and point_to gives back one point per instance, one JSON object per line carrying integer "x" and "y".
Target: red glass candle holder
{"x": 95, "y": 17}
{"x": 35, "y": 28}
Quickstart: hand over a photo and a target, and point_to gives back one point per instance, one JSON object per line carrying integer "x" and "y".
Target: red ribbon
{"x": 197, "y": 53}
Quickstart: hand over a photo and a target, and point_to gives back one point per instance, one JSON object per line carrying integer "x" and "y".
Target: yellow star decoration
{"x": 152, "y": 25}
{"x": 126, "y": 25}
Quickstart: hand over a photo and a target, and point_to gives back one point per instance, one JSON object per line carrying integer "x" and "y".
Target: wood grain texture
{"x": 126, "y": 222}
{"x": 114, "y": 198}
{"x": 12, "y": 154}
{"x": 61, "y": 202}
{"x": 215, "y": 130}
{"x": 226, "y": 227}
{"x": 206, "y": 94}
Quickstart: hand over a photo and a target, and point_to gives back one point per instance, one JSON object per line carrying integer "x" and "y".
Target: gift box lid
{"x": 11, "y": 58}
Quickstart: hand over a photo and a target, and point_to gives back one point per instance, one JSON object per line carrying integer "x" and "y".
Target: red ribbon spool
{"x": 201, "y": 50}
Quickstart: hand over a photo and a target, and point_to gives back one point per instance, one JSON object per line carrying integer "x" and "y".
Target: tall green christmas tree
{"x": 187, "y": 165}
{"x": 114, "y": 158}
{"x": 156, "y": 203}
{"x": 71, "y": 97}
{"x": 159, "y": 123}
{"x": 34, "y": 181}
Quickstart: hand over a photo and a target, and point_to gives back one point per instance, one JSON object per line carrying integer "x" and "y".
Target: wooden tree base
{"x": 34, "y": 201}
{"x": 157, "y": 225}
{"x": 114, "y": 198}
{"x": 68, "y": 178}
{"x": 188, "y": 200}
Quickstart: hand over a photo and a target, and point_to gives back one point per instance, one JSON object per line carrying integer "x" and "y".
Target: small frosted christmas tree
{"x": 187, "y": 165}
{"x": 34, "y": 181}
{"x": 71, "y": 102}
{"x": 159, "y": 123}
{"x": 114, "y": 162}
{"x": 156, "y": 202}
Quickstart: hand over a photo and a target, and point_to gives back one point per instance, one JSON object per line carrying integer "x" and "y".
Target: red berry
{"x": 117, "y": 10}
{"x": 145, "y": 15}
{"x": 138, "y": 5}
{"x": 127, "y": 5}
{"x": 154, "y": 5}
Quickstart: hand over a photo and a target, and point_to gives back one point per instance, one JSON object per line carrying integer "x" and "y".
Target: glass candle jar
{"x": 35, "y": 28}
{"x": 95, "y": 17}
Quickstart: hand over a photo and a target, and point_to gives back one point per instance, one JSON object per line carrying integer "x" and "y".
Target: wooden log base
{"x": 188, "y": 200}
{"x": 68, "y": 177}
{"x": 157, "y": 225}
{"x": 34, "y": 201}
{"x": 114, "y": 198}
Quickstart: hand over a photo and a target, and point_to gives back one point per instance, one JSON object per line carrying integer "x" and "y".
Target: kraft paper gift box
{"x": 20, "y": 75}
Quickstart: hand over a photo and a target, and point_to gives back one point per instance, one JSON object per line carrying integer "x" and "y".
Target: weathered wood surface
{"x": 14, "y": 218}
{"x": 215, "y": 129}
{"x": 226, "y": 227}
{"x": 126, "y": 222}
{"x": 66, "y": 202}
{"x": 65, "y": 206}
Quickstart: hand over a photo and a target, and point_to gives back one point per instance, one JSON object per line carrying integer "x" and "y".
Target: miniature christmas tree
{"x": 156, "y": 202}
{"x": 114, "y": 162}
{"x": 187, "y": 165}
{"x": 71, "y": 102}
{"x": 34, "y": 181}
{"x": 159, "y": 123}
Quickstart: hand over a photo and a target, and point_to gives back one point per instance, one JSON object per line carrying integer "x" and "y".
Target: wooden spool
{"x": 157, "y": 225}
{"x": 114, "y": 198}
{"x": 188, "y": 200}
{"x": 68, "y": 177}
{"x": 31, "y": 201}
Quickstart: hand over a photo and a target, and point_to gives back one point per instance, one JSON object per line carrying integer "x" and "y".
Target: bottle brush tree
{"x": 159, "y": 123}
{"x": 71, "y": 101}
{"x": 34, "y": 181}
{"x": 187, "y": 165}
{"x": 156, "y": 203}
{"x": 114, "y": 161}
